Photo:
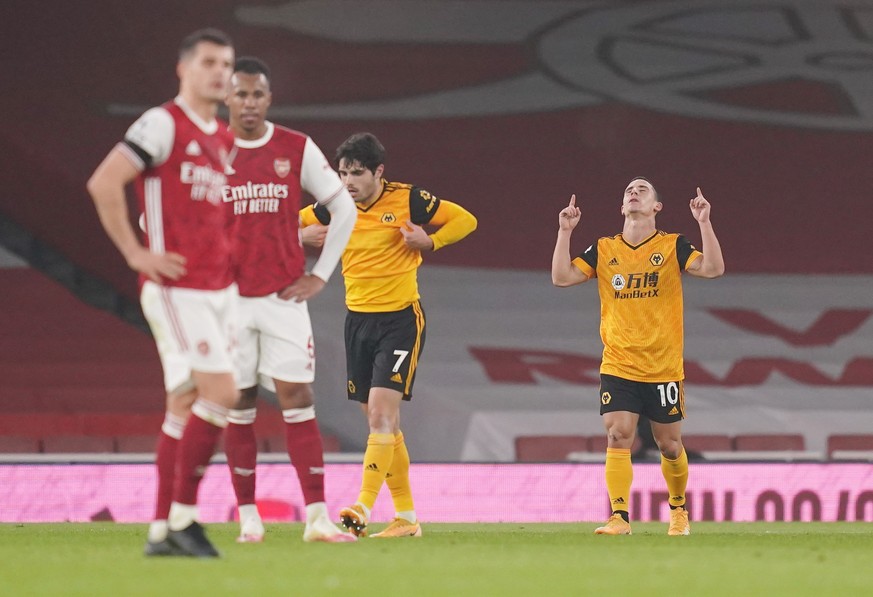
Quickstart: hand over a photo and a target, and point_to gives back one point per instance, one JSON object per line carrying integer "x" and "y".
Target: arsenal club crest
{"x": 282, "y": 166}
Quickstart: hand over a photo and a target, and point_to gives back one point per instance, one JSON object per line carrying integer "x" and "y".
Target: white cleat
{"x": 324, "y": 531}
{"x": 251, "y": 531}
{"x": 250, "y": 539}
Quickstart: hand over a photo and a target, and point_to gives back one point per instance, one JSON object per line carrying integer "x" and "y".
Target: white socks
{"x": 157, "y": 531}
{"x": 181, "y": 516}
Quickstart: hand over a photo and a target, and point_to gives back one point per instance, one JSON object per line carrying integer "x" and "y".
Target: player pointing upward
{"x": 640, "y": 287}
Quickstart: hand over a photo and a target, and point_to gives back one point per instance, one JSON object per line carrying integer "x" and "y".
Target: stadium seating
{"x": 707, "y": 443}
{"x": 548, "y": 448}
{"x": 81, "y": 378}
{"x": 759, "y": 442}
{"x": 67, "y": 444}
{"x": 275, "y": 443}
{"x": 557, "y": 448}
{"x": 63, "y": 394}
{"x": 51, "y": 443}
{"x": 105, "y": 396}
{"x": 844, "y": 447}
{"x": 16, "y": 444}
{"x": 136, "y": 444}
{"x": 597, "y": 444}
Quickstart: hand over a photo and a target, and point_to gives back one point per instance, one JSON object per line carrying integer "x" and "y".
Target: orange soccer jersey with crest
{"x": 641, "y": 306}
{"x": 380, "y": 271}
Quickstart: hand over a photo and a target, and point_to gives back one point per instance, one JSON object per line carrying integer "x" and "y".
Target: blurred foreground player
{"x": 177, "y": 154}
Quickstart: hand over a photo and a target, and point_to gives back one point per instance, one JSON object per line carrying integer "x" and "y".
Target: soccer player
{"x": 272, "y": 166}
{"x": 177, "y": 155}
{"x": 385, "y": 323}
{"x": 639, "y": 282}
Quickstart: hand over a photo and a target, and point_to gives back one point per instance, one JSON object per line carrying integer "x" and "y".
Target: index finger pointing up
{"x": 573, "y": 200}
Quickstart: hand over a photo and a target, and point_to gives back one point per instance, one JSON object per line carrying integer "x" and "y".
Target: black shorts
{"x": 382, "y": 350}
{"x": 662, "y": 402}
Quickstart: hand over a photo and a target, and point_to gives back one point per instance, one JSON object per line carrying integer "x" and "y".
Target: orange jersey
{"x": 380, "y": 271}
{"x": 641, "y": 310}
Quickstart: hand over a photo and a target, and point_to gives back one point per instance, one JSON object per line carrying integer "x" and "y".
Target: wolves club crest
{"x": 282, "y": 166}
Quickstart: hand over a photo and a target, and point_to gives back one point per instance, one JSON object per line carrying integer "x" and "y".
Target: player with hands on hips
{"x": 272, "y": 167}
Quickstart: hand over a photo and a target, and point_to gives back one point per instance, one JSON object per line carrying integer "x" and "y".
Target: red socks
{"x": 196, "y": 448}
{"x": 303, "y": 439}
{"x": 241, "y": 448}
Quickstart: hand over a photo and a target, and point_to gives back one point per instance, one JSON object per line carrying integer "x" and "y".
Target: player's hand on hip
{"x": 157, "y": 266}
{"x": 570, "y": 215}
{"x": 313, "y": 236}
{"x": 700, "y": 207}
{"x": 416, "y": 237}
{"x": 306, "y": 287}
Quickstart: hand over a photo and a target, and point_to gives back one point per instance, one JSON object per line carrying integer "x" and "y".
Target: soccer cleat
{"x": 192, "y": 541}
{"x": 250, "y": 538}
{"x": 679, "y": 522}
{"x": 251, "y": 531}
{"x": 324, "y": 531}
{"x": 616, "y": 525}
{"x": 400, "y": 527}
{"x": 354, "y": 519}
{"x": 160, "y": 549}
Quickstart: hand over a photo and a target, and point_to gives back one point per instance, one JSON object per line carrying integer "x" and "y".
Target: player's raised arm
{"x": 711, "y": 263}
{"x": 564, "y": 273}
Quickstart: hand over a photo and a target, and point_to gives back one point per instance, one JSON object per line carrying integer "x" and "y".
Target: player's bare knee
{"x": 222, "y": 395}
{"x": 620, "y": 437}
{"x": 381, "y": 421}
{"x": 670, "y": 449}
{"x": 179, "y": 404}
{"x": 248, "y": 398}
{"x": 294, "y": 395}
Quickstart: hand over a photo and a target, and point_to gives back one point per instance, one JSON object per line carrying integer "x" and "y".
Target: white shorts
{"x": 195, "y": 330}
{"x": 275, "y": 342}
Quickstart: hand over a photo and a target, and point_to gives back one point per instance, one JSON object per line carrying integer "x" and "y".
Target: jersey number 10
{"x": 669, "y": 393}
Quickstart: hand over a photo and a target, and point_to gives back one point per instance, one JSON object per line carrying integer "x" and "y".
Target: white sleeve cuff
{"x": 154, "y": 133}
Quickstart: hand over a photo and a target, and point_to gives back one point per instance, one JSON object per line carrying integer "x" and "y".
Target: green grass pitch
{"x": 540, "y": 560}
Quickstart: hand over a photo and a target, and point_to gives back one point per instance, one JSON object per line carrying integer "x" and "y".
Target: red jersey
{"x": 263, "y": 197}
{"x": 183, "y": 162}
